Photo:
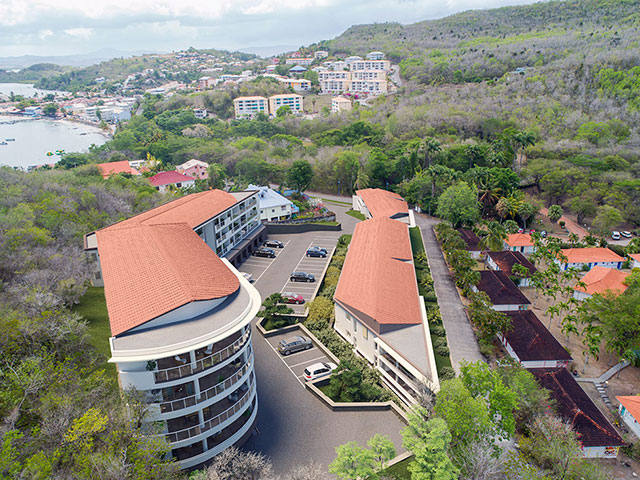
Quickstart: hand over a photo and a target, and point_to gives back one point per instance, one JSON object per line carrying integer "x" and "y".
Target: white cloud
{"x": 82, "y": 33}
{"x": 44, "y": 34}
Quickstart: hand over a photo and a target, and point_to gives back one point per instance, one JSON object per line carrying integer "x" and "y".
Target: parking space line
{"x": 285, "y": 363}
{"x": 302, "y": 363}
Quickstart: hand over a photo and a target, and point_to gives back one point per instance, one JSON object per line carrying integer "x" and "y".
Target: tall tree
{"x": 300, "y": 174}
{"x": 353, "y": 462}
{"x": 429, "y": 146}
{"x": 458, "y": 204}
{"x": 429, "y": 441}
{"x": 493, "y": 236}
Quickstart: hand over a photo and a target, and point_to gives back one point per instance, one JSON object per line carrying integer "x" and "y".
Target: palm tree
{"x": 494, "y": 236}
{"x": 442, "y": 172}
{"x": 522, "y": 140}
{"x": 428, "y": 147}
{"x": 362, "y": 180}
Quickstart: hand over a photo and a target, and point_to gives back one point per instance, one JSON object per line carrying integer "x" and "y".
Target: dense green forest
{"x": 32, "y": 74}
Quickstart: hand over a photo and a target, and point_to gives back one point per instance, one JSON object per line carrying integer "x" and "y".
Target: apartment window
{"x": 365, "y": 333}
{"x": 355, "y": 325}
{"x": 98, "y": 275}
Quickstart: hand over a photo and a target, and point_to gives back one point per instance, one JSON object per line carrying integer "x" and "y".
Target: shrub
{"x": 337, "y": 261}
{"x": 321, "y": 309}
{"x": 442, "y": 350}
{"x": 439, "y": 342}
{"x": 438, "y": 330}
{"x": 447, "y": 373}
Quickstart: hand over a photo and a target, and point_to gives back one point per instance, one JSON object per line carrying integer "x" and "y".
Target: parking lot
{"x": 297, "y": 362}
{"x": 258, "y": 266}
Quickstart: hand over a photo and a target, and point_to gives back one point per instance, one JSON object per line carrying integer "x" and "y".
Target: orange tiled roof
{"x": 112, "y": 168}
{"x": 632, "y": 404}
{"x": 147, "y": 275}
{"x": 635, "y": 256}
{"x": 591, "y": 255}
{"x": 601, "y": 279}
{"x": 519, "y": 240}
{"x": 193, "y": 209}
{"x": 382, "y": 203}
{"x": 378, "y": 277}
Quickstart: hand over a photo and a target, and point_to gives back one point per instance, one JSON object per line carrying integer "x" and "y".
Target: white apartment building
{"x": 369, "y": 75}
{"x": 249, "y": 107}
{"x": 305, "y": 62}
{"x": 371, "y": 87}
{"x": 375, "y": 56}
{"x": 379, "y": 311}
{"x": 292, "y": 100}
{"x": 180, "y": 318}
{"x": 298, "y": 84}
{"x": 337, "y": 66}
{"x": 384, "y": 65}
{"x": 319, "y": 54}
{"x": 351, "y": 59}
{"x": 200, "y": 113}
{"x": 334, "y": 82}
{"x": 341, "y": 104}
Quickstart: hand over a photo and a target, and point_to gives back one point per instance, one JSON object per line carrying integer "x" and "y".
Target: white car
{"x": 626, "y": 234}
{"x": 247, "y": 276}
{"x": 319, "y": 370}
{"x": 615, "y": 235}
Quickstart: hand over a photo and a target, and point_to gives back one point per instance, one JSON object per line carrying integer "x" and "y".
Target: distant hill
{"x": 32, "y": 73}
{"x": 79, "y": 60}
{"x": 484, "y": 44}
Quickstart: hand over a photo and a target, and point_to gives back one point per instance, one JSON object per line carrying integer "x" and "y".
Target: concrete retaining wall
{"x": 285, "y": 228}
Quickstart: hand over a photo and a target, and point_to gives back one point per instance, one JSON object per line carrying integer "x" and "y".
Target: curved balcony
{"x": 214, "y": 421}
{"x": 204, "y": 363}
{"x": 209, "y": 393}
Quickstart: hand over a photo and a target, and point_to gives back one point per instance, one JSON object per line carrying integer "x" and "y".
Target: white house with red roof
{"x": 520, "y": 242}
{"x": 587, "y": 258}
{"x": 165, "y": 180}
{"x": 376, "y": 202}
{"x": 113, "y": 168}
{"x": 180, "y": 318}
{"x": 635, "y": 260}
{"x": 600, "y": 280}
{"x": 629, "y": 410}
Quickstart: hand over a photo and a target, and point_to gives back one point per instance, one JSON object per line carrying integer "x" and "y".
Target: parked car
{"x": 615, "y": 235}
{"x": 316, "y": 252}
{"x": 319, "y": 370}
{"x": 247, "y": 276}
{"x": 626, "y": 234}
{"x": 264, "y": 252}
{"x": 273, "y": 243}
{"x": 294, "y": 344}
{"x": 521, "y": 230}
{"x": 289, "y": 297}
{"x": 532, "y": 230}
{"x": 543, "y": 234}
{"x": 302, "y": 277}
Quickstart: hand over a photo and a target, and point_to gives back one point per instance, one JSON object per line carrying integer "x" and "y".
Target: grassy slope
{"x": 93, "y": 308}
{"x": 355, "y": 214}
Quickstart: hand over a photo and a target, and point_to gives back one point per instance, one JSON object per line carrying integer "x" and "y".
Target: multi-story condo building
{"x": 249, "y": 107}
{"x": 334, "y": 82}
{"x": 351, "y": 59}
{"x": 375, "y": 56}
{"x": 298, "y": 84}
{"x": 379, "y": 311}
{"x": 305, "y": 62}
{"x": 372, "y": 87}
{"x": 320, "y": 54}
{"x": 369, "y": 75}
{"x": 292, "y": 100}
{"x": 383, "y": 65}
{"x": 180, "y": 319}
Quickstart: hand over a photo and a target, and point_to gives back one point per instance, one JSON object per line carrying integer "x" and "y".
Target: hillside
{"x": 31, "y": 74}
{"x": 484, "y": 44}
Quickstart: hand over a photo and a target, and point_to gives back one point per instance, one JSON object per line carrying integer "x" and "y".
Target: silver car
{"x": 294, "y": 344}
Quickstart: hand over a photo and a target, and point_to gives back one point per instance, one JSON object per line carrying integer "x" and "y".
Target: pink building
{"x": 194, "y": 168}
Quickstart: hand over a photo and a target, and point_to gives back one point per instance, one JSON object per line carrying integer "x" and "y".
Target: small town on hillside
{"x": 108, "y": 101}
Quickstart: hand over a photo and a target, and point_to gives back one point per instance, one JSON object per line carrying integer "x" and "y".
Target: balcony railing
{"x": 175, "y": 373}
{"x": 212, "y": 422}
{"x": 210, "y": 392}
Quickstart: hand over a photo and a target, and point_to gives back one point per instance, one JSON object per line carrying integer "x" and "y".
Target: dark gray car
{"x": 302, "y": 277}
{"x": 294, "y": 344}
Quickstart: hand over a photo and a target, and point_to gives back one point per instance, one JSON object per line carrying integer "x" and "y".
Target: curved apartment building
{"x": 180, "y": 320}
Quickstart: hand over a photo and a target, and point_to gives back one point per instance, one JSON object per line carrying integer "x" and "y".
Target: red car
{"x": 292, "y": 298}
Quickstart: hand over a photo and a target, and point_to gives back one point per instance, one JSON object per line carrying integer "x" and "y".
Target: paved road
{"x": 293, "y": 426}
{"x": 462, "y": 341}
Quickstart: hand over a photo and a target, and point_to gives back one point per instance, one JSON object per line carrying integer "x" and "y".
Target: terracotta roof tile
{"x": 112, "y": 168}
{"x": 600, "y": 279}
{"x": 519, "y": 240}
{"x": 470, "y": 238}
{"x": 193, "y": 209}
{"x": 507, "y": 259}
{"x": 168, "y": 178}
{"x": 575, "y": 406}
{"x": 500, "y": 288}
{"x": 591, "y": 255}
{"x": 146, "y": 275}
{"x": 635, "y": 256}
{"x": 382, "y": 203}
{"x": 632, "y": 404}
{"x": 530, "y": 339}
{"x": 378, "y": 276}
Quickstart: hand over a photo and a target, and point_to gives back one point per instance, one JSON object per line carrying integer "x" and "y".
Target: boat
{"x": 49, "y": 154}
{"x": 4, "y": 143}
{"x": 9, "y": 139}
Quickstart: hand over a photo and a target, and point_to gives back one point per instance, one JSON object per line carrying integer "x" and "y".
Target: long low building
{"x": 503, "y": 293}
{"x": 587, "y": 258}
{"x": 180, "y": 319}
{"x": 375, "y": 202}
{"x": 379, "y": 311}
{"x": 596, "y": 435}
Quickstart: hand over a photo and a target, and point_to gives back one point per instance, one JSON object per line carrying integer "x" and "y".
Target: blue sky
{"x": 62, "y": 27}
